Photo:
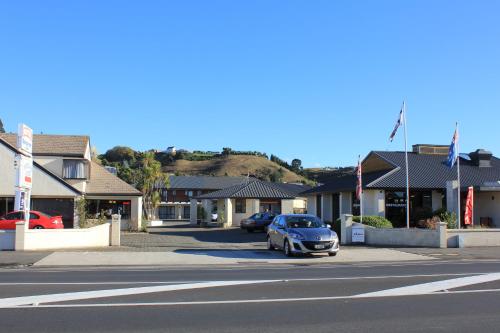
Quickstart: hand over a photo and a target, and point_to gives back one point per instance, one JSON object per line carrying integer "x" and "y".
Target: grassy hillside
{"x": 323, "y": 175}
{"x": 233, "y": 165}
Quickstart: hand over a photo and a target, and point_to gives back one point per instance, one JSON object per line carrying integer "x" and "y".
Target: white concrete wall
{"x": 250, "y": 205}
{"x": 7, "y": 239}
{"x": 98, "y": 236}
{"x": 402, "y": 237}
{"x": 326, "y": 207}
{"x": 487, "y": 204}
{"x": 474, "y": 237}
{"x": 374, "y": 202}
{"x": 311, "y": 204}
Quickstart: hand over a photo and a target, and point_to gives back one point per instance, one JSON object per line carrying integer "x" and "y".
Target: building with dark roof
{"x": 186, "y": 195}
{"x": 63, "y": 172}
{"x": 433, "y": 186}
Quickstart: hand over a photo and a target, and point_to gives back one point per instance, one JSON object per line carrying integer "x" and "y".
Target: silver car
{"x": 301, "y": 233}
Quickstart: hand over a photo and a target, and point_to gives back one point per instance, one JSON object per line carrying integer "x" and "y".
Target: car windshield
{"x": 257, "y": 216}
{"x": 304, "y": 222}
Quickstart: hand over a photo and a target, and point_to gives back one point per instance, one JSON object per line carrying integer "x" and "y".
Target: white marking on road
{"x": 64, "y": 297}
{"x": 427, "y": 288}
{"x": 244, "y": 301}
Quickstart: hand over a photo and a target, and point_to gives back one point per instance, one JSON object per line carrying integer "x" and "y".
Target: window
{"x": 74, "y": 169}
{"x": 240, "y": 206}
{"x": 109, "y": 207}
{"x": 166, "y": 212}
{"x": 14, "y": 216}
{"x": 187, "y": 212}
{"x": 34, "y": 217}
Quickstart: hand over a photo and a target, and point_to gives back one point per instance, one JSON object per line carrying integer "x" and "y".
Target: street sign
{"x": 24, "y": 171}
{"x": 25, "y": 139}
{"x": 358, "y": 233}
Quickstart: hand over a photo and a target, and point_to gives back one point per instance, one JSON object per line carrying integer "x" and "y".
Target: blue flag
{"x": 453, "y": 152}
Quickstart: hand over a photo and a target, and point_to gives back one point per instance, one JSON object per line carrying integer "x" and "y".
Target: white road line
{"x": 245, "y": 301}
{"x": 64, "y": 297}
{"x": 427, "y": 288}
{"x": 374, "y": 277}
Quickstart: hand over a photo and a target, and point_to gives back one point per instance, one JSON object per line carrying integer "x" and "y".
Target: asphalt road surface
{"x": 440, "y": 296}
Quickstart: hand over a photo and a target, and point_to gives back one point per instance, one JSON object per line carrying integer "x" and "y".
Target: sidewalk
{"x": 183, "y": 257}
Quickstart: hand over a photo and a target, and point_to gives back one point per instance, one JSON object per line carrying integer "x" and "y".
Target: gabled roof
{"x": 103, "y": 182}
{"x": 255, "y": 189}
{"x": 54, "y": 145}
{"x": 203, "y": 182}
{"x": 425, "y": 172}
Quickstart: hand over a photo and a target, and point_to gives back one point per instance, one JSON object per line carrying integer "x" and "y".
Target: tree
{"x": 120, "y": 154}
{"x": 2, "y": 130}
{"x": 226, "y": 151}
{"x": 150, "y": 176}
{"x": 297, "y": 165}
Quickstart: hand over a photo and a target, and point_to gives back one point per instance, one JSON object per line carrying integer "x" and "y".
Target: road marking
{"x": 374, "y": 277}
{"x": 427, "y": 288}
{"x": 245, "y": 301}
{"x": 64, "y": 297}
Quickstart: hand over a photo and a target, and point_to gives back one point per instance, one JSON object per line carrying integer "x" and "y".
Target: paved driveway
{"x": 180, "y": 235}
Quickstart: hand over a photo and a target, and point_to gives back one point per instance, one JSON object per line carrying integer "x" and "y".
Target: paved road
{"x": 458, "y": 296}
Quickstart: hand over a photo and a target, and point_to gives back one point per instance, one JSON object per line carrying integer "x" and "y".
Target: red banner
{"x": 469, "y": 206}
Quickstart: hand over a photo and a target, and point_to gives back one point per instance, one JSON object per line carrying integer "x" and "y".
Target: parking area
{"x": 181, "y": 235}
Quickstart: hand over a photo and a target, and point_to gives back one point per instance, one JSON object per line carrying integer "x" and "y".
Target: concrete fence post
{"x": 20, "y": 241}
{"x": 115, "y": 232}
{"x": 345, "y": 229}
{"x": 193, "y": 212}
{"x": 443, "y": 235}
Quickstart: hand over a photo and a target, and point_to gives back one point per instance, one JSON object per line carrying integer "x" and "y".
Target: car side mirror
{"x": 328, "y": 226}
{"x": 2, "y": 218}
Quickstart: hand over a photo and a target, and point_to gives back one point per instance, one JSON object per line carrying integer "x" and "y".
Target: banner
{"x": 469, "y": 206}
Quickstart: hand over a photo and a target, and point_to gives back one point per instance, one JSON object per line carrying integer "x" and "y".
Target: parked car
{"x": 38, "y": 220}
{"x": 258, "y": 221}
{"x": 301, "y": 233}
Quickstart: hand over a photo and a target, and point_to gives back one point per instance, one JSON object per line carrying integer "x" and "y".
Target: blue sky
{"x": 319, "y": 80}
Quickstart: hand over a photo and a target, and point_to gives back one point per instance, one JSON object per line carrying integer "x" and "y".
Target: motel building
{"x": 64, "y": 172}
{"x": 433, "y": 186}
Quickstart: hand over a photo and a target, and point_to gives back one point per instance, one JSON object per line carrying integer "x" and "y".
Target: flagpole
{"x": 458, "y": 177}
{"x": 407, "y": 175}
{"x": 361, "y": 190}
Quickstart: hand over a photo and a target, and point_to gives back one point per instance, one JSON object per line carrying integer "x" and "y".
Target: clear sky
{"x": 319, "y": 80}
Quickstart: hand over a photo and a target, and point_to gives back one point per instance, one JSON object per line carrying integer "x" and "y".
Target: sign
{"x": 358, "y": 233}
{"x": 24, "y": 171}
{"x": 25, "y": 139}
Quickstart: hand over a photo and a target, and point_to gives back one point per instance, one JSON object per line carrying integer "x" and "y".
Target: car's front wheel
{"x": 332, "y": 254}
{"x": 270, "y": 245}
{"x": 38, "y": 227}
{"x": 287, "y": 250}
{"x": 250, "y": 230}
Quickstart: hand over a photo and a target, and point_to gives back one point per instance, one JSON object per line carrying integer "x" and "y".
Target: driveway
{"x": 181, "y": 235}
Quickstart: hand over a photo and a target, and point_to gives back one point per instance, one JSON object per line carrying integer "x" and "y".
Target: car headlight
{"x": 296, "y": 236}
{"x": 334, "y": 236}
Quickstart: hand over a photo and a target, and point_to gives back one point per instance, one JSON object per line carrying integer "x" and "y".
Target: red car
{"x": 38, "y": 220}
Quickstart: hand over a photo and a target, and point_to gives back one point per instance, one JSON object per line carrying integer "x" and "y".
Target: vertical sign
{"x": 24, "y": 172}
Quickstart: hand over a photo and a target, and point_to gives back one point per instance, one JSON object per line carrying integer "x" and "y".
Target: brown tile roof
{"x": 49, "y": 145}
{"x": 102, "y": 182}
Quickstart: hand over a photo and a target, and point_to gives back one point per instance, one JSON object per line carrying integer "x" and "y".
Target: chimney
{"x": 481, "y": 158}
{"x": 425, "y": 149}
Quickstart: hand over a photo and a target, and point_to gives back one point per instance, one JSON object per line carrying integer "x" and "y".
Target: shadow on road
{"x": 244, "y": 254}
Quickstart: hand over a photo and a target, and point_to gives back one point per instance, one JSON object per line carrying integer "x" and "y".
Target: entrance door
{"x": 335, "y": 206}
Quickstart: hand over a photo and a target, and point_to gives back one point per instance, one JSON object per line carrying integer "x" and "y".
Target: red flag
{"x": 359, "y": 185}
{"x": 469, "y": 206}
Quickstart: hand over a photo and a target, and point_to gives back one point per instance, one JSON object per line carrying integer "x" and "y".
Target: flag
{"x": 398, "y": 124}
{"x": 453, "y": 152}
{"x": 359, "y": 185}
{"x": 469, "y": 206}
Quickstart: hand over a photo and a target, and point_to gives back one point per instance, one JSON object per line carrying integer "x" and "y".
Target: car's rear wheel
{"x": 38, "y": 227}
{"x": 270, "y": 245}
{"x": 287, "y": 250}
{"x": 250, "y": 230}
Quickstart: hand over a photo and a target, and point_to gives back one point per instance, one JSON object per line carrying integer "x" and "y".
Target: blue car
{"x": 301, "y": 234}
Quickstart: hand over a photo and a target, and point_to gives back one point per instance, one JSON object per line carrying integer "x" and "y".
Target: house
{"x": 63, "y": 172}
{"x": 175, "y": 200}
{"x": 433, "y": 186}
{"x": 171, "y": 150}
{"x": 240, "y": 201}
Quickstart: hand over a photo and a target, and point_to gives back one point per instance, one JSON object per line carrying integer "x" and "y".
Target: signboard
{"x": 25, "y": 139}
{"x": 358, "y": 233}
{"x": 24, "y": 171}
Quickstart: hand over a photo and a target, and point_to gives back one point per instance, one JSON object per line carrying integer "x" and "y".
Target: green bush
{"x": 450, "y": 218}
{"x": 372, "y": 221}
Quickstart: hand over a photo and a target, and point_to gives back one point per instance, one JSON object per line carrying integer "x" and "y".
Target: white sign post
{"x": 24, "y": 171}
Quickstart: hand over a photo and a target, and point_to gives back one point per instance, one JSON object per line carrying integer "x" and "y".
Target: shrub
{"x": 374, "y": 221}
{"x": 450, "y": 218}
